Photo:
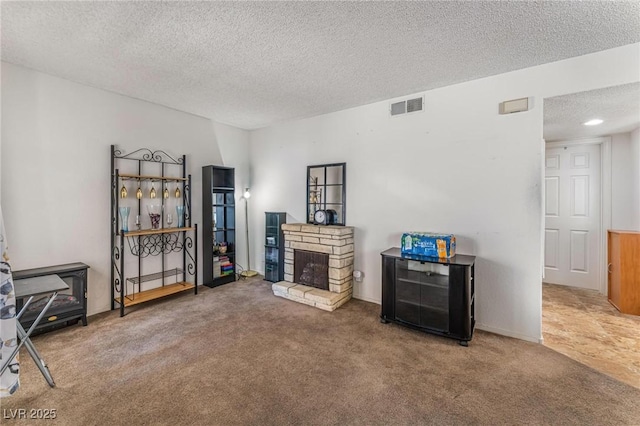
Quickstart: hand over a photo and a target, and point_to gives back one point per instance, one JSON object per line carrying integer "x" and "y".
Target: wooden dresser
{"x": 624, "y": 271}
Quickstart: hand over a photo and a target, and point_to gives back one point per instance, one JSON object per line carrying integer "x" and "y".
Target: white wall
{"x": 55, "y": 166}
{"x": 458, "y": 167}
{"x": 625, "y": 182}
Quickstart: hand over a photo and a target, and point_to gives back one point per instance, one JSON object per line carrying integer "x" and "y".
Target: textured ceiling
{"x": 251, "y": 64}
{"x": 618, "y": 106}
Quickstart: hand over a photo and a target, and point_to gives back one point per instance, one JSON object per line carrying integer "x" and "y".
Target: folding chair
{"x": 32, "y": 287}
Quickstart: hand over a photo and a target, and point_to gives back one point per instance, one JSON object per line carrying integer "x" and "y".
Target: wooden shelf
{"x": 156, "y": 293}
{"x": 156, "y": 231}
{"x": 152, "y": 178}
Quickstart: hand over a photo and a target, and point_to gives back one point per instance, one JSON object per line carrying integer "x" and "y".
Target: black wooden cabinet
{"x": 274, "y": 246}
{"x": 219, "y": 228}
{"x": 68, "y": 307}
{"x": 430, "y": 294}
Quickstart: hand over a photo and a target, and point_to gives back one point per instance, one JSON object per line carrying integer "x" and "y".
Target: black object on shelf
{"x": 150, "y": 210}
{"x": 219, "y": 216}
{"x": 429, "y": 294}
{"x": 274, "y": 246}
{"x": 68, "y": 308}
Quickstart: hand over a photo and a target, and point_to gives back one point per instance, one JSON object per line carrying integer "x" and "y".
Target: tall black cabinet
{"x": 274, "y": 246}
{"x": 430, "y": 294}
{"x": 219, "y": 230}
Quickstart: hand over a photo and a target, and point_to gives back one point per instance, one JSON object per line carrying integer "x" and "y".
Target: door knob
{"x": 609, "y": 268}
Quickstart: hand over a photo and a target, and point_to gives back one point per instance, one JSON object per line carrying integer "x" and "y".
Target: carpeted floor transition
{"x": 237, "y": 354}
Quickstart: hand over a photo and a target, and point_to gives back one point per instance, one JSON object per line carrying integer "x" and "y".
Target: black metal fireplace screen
{"x": 311, "y": 268}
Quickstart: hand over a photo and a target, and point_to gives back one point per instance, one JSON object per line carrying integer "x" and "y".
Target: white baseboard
{"x": 508, "y": 333}
{"x": 377, "y": 302}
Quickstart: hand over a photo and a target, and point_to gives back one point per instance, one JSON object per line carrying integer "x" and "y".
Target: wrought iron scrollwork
{"x": 145, "y": 154}
{"x": 154, "y": 245}
{"x": 191, "y": 264}
{"x": 187, "y": 202}
{"x": 115, "y": 262}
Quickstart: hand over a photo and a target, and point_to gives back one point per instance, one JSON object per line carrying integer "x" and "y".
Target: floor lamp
{"x": 248, "y": 272}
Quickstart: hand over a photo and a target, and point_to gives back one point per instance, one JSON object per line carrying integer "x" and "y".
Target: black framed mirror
{"x": 326, "y": 194}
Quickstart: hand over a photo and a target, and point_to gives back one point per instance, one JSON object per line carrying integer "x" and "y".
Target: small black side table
{"x": 69, "y": 306}
{"x": 30, "y": 288}
{"x": 429, "y": 294}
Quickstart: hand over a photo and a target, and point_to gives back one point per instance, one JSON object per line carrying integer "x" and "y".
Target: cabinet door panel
{"x": 408, "y": 302}
{"x": 271, "y": 254}
{"x": 271, "y": 272}
{"x": 407, "y": 292}
{"x": 408, "y": 312}
{"x": 435, "y": 297}
{"x": 434, "y": 318}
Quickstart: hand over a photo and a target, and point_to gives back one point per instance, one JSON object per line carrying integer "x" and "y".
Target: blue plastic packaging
{"x": 428, "y": 244}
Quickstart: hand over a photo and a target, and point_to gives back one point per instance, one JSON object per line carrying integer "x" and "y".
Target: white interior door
{"x": 572, "y": 216}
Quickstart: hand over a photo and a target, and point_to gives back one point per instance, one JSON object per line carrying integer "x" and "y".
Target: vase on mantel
{"x": 124, "y": 218}
{"x": 180, "y": 216}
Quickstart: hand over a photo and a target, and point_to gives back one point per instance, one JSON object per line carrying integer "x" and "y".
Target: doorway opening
{"x": 577, "y": 318}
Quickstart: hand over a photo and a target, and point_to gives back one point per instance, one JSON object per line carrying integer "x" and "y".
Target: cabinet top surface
{"x": 458, "y": 259}
{"x": 211, "y": 166}
{"x": 617, "y": 231}
{"x": 48, "y": 270}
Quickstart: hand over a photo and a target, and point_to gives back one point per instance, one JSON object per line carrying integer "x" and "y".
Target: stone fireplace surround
{"x": 337, "y": 242}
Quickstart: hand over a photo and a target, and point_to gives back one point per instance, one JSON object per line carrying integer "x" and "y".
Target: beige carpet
{"x": 238, "y": 355}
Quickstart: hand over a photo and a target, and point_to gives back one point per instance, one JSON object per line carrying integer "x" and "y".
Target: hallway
{"x": 582, "y": 325}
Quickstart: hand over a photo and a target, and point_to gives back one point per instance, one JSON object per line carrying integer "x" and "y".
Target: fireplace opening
{"x": 311, "y": 269}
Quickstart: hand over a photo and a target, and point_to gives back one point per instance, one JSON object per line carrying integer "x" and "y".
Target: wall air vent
{"x": 414, "y": 105}
{"x": 407, "y": 106}
{"x": 399, "y": 108}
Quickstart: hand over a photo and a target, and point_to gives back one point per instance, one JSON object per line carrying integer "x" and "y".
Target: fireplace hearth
{"x": 318, "y": 265}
